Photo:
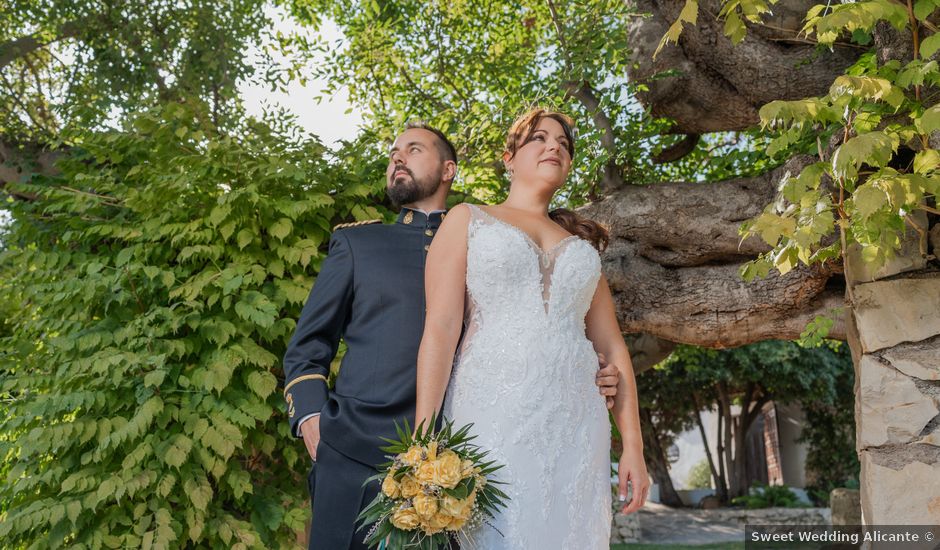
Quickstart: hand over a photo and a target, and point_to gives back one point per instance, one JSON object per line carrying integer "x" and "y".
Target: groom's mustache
{"x": 401, "y": 168}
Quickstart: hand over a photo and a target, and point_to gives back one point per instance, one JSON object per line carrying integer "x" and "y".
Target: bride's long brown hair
{"x": 519, "y": 134}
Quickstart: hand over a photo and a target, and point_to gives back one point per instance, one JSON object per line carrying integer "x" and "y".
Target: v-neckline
{"x": 542, "y": 252}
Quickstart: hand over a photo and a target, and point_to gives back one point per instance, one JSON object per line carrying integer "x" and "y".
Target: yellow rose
{"x": 406, "y": 519}
{"x": 447, "y": 470}
{"x": 409, "y": 487}
{"x": 413, "y": 457}
{"x": 451, "y": 506}
{"x": 467, "y": 511}
{"x": 425, "y": 505}
{"x": 428, "y": 530}
{"x": 464, "y": 508}
{"x": 438, "y": 522}
{"x": 455, "y": 524}
{"x": 432, "y": 450}
{"x": 424, "y": 473}
{"x": 390, "y": 487}
{"x": 466, "y": 468}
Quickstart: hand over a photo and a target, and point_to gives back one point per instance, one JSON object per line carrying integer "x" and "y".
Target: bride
{"x": 526, "y": 287}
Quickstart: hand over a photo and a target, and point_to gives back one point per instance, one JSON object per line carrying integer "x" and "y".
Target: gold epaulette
{"x": 354, "y": 224}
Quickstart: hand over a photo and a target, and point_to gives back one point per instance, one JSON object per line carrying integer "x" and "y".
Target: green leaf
{"x": 926, "y": 160}
{"x": 869, "y": 198}
{"x": 873, "y": 148}
{"x": 177, "y": 451}
{"x": 281, "y": 228}
{"x": 262, "y": 383}
{"x": 689, "y": 14}
{"x": 929, "y": 121}
{"x": 219, "y": 213}
{"x": 154, "y": 378}
{"x": 199, "y": 491}
{"x": 255, "y": 307}
{"x": 922, "y": 9}
{"x": 244, "y": 238}
{"x": 929, "y": 45}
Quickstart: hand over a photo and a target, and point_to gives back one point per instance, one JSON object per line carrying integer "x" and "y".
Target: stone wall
{"x": 625, "y": 529}
{"x": 893, "y": 328}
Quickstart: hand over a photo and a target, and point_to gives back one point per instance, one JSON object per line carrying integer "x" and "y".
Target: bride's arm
{"x": 604, "y": 332}
{"x": 445, "y": 279}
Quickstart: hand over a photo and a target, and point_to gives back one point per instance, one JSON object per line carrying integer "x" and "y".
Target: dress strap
{"x": 477, "y": 213}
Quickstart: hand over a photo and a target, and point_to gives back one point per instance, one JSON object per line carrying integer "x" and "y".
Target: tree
{"x": 693, "y": 379}
{"x": 666, "y": 411}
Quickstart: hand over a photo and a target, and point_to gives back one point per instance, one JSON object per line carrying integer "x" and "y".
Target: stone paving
{"x": 664, "y": 525}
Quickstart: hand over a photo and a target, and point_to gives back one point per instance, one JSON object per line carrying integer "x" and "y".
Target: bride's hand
{"x": 632, "y": 468}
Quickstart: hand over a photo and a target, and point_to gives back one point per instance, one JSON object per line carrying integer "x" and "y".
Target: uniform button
{"x": 427, "y": 247}
{"x": 428, "y": 232}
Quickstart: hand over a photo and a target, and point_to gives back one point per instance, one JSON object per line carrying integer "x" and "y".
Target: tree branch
{"x": 612, "y": 178}
{"x": 674, "y": 259}
{"x": 25, "y": 45}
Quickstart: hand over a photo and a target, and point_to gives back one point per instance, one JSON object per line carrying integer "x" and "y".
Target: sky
{"x": 328, "y": 119}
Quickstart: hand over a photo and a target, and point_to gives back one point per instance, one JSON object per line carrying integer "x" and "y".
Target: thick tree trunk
{"x": 657, "y": 462}
{"x": 726, "y": 452}
{"x": 721, "y": 86}
{"x": 721, "y": 487}
{"x": 739, "y": 485}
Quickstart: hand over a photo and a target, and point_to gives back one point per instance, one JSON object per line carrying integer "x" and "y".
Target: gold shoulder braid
{"x": 354, "y": 224}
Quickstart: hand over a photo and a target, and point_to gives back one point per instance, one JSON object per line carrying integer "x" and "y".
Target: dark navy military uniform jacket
{"x": 369, "y": 292}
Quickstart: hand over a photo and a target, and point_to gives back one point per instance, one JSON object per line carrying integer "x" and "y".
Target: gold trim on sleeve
{"x": 302, "y": 378}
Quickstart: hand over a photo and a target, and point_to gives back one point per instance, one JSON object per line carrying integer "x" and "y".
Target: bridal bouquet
{"x": 437, "y": 485}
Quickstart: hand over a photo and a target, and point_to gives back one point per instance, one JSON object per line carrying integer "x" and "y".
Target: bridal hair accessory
{"x": 436, "y": 487}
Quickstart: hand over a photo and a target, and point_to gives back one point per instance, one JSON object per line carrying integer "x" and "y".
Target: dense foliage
{"x": 159, "y": 279}
{"x": 884, "y": 173}
{"x": 472, "y": 66}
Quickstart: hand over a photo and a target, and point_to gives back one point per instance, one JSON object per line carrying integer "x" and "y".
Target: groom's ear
{"x": 450, "y": 171}
{"x": 506, "y": 159}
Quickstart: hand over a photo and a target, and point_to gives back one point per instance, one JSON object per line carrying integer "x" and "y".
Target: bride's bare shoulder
{"x": 459, "y": 215}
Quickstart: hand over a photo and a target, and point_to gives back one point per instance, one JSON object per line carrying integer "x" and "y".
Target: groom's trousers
{"x": 336, "y": 489}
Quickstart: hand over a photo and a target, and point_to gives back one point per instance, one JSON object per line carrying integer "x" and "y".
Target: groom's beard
{"x": 404, "y": 190}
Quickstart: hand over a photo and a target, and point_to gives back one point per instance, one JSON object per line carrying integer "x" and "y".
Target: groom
{"x": 369, "y": 292}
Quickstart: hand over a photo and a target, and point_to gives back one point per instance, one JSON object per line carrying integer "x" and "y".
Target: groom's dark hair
{"x": 444, "y": 147}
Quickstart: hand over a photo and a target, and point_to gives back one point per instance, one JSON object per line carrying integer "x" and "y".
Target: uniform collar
{"x": 417, "y": 218}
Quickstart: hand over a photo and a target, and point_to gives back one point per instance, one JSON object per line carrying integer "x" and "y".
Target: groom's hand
{"x": 608, "y": 376}
{"x": 310, "y": 430}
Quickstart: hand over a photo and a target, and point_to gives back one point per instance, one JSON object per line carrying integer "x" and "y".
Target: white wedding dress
{"x": 524, "y": 376}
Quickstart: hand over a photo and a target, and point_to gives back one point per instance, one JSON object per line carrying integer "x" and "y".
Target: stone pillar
{"x": 893, "y": 329}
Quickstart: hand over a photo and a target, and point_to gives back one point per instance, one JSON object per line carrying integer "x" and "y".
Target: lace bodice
{"x": 512, "y": 282}
{"x": 524, "y": 375}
